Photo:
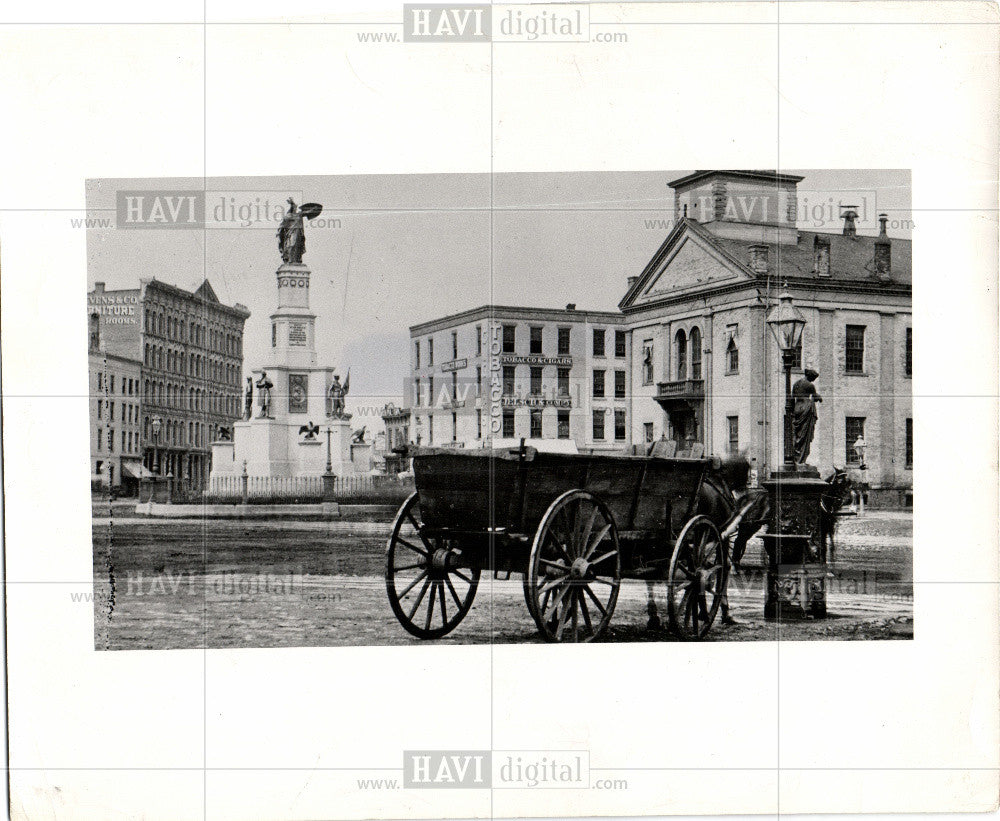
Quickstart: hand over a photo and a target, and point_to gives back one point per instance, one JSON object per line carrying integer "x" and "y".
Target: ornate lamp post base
{"x": 797, "y": 573}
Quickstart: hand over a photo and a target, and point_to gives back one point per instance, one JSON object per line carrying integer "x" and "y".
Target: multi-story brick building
{"x": 690, "y": 358}
{"x": 190, "y": 347}
{"x": 518, "y": 373}
{"x": 115, "y": 445}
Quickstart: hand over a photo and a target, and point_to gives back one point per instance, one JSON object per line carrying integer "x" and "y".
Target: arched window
{"x": 680, "y": 354}
{"x": 696, "y": 353}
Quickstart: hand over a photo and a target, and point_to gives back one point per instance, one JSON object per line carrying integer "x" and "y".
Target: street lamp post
{"x": 796, "y": 575}
{"x": 786, "y": 324}
{"x": 157, "y": 426}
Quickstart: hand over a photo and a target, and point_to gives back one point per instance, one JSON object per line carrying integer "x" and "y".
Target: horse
{"x": 726, "y": 499}
{"x": 830, "y": 503}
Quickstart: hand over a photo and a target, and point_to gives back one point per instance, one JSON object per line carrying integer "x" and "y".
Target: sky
{"x": 391, "y": 251}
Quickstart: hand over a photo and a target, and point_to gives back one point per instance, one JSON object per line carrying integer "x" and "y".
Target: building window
{"x": 598, "y": 342}
{"x": 619, "y": 425}
{"x": 479, "y": 380}
{"x": 598, "y": 431}
{"x": 909, "y": 444}
{"x": 563, "y": 349}
{"x": 680, "y": 349}
{"x": 732, "y": 357}
{"x": 430, "y": 429}
{"x": 99, "y": 411}
{"x": 563, "y": 381}
{"x": 536, "y": 381}
{"x": 454, "y": 427}
{"x": 479, "y": 423}
{"x": 535, "y": 340}
{"x": 111, "y": 439}
{"x": 508, "y": 424}
{"x": 733, "y": 426}
{"x": 111, "y": 411}
{"x": 854, "y": 426}
{"x": 535, "y": 418}
{"x": 599, "y": 383}
{"x": 454, "y": 344}
{"x": 647, "y": 362}
{"x": 416, "y": 353}
{"x": 479, "y": 340}
{"x": 620, "y": 344}
{"x": 797, "y": 356}
{"x": 619, "y": 384}
{"x": 562, "y": 424}
{"x": 647, "y": 432}
{"x": 696, "y": 353}
{"x": 431, "y": 399}
{"x": 908, "y": 359}
{"x": 417, "y": 399}
{"x": 508, "y": 380}
{"x": 100, "y": 438}
{"x": 855, "y": 350}
{"x": 430, "y": 351}
{"x": 509, "y": 338}
{"x": 274, "y": 335}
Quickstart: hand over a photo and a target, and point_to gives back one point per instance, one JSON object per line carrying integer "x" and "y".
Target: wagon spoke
{"x": 430, "y": 607}
{"x": 461, "y": 575}
{"x": 414, "y": 548}
{"x": 597, "y": 602}
{"x": 584, "y": 611}
{"x": 559, "y": 546}
{"x": 409, "y": 566}
{"x": 552, "y": 584}
{"x": 454, "y": 595}
{"x": 413, "y": 584}
{"x": 604, "y": 557}
{"x": 596, "y": 542}
{"x": 420, "y": 598}
{"x": 564, "y": 619}
{"x": 588, "y": 529}
{"x": 444, "y": 610}
{"x": 599, "y": 580}
{"x": 555, "y": 565}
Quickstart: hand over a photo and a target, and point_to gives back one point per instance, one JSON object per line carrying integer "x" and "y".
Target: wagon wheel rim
{"x": 574, "y": 570}
{"x": 697, "y": 579}
{"x": 430, "y": 585}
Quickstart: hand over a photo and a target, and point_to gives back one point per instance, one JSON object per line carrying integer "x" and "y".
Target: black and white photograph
{"x": 690, "y": 409}
{"x": 500, "y": 410}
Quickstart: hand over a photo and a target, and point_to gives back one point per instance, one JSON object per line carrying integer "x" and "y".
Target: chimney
{"x": 570, "y": 306}
{"x": 98, "y": 287}
{"x": 758, "y": 258}
{"x": 632, "y": 281}
{"x": 849, "y": 215}
{"x": 821, "y": 256}
{"x": 883, "y": 250}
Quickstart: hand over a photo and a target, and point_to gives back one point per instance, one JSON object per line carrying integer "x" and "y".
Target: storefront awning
{"x": 137, "y": 470}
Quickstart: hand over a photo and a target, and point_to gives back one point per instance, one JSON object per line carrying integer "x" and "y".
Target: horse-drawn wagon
{"x": 574, "y": 525}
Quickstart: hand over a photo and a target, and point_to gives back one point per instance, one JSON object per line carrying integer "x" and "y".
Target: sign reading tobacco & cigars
{"x": 537, "y": 402}
{"x": 534, "y": 359}
{"x": 455, "y": 365}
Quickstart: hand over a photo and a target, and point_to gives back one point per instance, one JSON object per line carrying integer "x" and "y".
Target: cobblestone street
{"x": 185, "y": 584}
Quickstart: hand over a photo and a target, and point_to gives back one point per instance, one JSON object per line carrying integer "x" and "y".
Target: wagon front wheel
{"x": 696, "y": 583}
{"x": 430, "y": 584}
{"x": 574, "y": 570}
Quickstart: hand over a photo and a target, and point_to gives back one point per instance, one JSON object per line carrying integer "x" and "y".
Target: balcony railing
{"x": 682, "y": 389}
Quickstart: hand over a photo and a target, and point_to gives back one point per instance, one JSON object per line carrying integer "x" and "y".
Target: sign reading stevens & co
{"x": 534, "y": 359}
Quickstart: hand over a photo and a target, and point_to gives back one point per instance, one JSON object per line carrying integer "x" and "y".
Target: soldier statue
{"x": 804, "y": 398}
{"x": 264, "y": 386}
{"x": 337, "y": 394}
{"x": 248, "y": 407}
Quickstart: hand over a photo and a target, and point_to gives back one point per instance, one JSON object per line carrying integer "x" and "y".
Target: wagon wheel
{"x": 697, "y": 581}
{"x": 574, "y": 570}
{"x": 430, "y": 586}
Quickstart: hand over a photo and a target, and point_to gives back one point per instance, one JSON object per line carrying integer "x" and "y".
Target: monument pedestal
{"x": 797, "y": 573}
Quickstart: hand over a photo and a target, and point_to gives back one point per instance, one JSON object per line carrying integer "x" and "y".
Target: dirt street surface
{"x": 222, "y": 583}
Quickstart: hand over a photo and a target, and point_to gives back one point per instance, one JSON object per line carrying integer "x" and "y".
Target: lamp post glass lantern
{"x": 787, "y": 322}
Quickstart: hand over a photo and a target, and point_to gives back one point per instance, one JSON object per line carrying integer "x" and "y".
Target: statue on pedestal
{"x": 248, "y": 408}
{"x": 804, "y": 415}
{"x": 337, "y": 394}
{"x": 291, "y": 233}
{"x": 264, "y": 386}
